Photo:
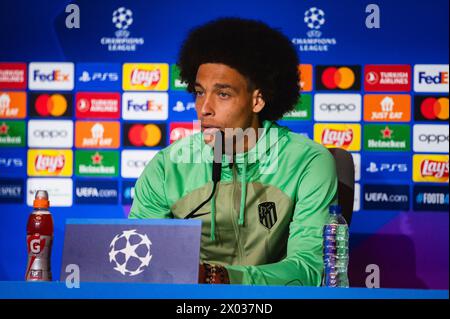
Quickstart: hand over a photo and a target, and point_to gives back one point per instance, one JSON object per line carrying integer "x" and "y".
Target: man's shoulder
{"x": 302, "y": 145}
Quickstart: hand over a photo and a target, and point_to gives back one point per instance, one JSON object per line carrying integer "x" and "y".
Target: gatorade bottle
{"x": 39, "y": 239}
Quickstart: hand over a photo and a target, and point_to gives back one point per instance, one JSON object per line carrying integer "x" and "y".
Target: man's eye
{"x": 198, "y": 93}
{"x": 224, "y": 95}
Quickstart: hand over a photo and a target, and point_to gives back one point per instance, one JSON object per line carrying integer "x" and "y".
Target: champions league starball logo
{"x": 314, "y": 18}
{"x": 130, "y": 252}
{"x": 122, "y": 19}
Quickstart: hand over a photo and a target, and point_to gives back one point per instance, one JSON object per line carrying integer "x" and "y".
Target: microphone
{"x": 219, "y": 143}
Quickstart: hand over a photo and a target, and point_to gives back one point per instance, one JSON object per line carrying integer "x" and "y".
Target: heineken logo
{"x": 302, "y": 110}
{"x": 12, "y": 133}
{"x": 97, "y": 163}
{"x": 387, "y": 137}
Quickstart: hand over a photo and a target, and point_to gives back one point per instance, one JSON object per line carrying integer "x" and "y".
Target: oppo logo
{"x": 339, "y": 107}
{"x": 50, "y": 133}
{"x": 136, "y": 163}
{"x": 434, "y": 138}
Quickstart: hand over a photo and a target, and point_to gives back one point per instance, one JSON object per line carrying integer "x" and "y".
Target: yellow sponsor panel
{"x": 430, "y": 168}
{"x": 145, "y": 76}
{"x": 50, "y": 163}
{"x": 346, "y": 136}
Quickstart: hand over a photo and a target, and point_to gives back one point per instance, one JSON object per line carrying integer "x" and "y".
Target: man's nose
{"x": 206, "y": 106}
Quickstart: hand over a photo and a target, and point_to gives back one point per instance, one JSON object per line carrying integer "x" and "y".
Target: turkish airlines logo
{"x": 145, "y": 106}
{"x": 13, "y": 76}
{"x": 387, "y": 78}
{"x": 51, "y": 76}
{"x": 338, "y": 78}
{"x": 431, "y": 138}
{"x": 179, "y": 130}
{"x": 98, "y": 105}
{"x": 53, "y": 134}
{"x": 430, "y": 168}
{"x": 337, "y": 107}
{"x": 431, "y": 78}
{"x": 49, "y": 162}
{"x": 146, "y": 76}
{"x": 97, "y": 134}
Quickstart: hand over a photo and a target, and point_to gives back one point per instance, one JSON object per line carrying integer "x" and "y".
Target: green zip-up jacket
{"x": 265, "y": 220}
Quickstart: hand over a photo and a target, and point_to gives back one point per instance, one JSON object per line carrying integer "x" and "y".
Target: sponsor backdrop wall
{"x": 82, "y": 110}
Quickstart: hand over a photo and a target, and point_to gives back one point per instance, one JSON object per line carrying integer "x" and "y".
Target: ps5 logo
{"x": 98, "y": 76}
{"x": 387, "y": 167}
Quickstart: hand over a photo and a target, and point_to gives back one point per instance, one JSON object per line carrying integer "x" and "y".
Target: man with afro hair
{"x": 264, "y": 209}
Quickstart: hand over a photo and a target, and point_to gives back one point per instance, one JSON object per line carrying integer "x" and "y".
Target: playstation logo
{"x": 84, "y": 77}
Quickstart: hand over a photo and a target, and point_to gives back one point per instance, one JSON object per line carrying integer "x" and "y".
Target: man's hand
{"x": 212, "y": 274}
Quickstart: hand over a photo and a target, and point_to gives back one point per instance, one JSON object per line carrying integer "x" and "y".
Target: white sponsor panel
{"x": 357, "y": 163}
{"x": 59, "y": 190}
{"x": 430, "y": 138}
{"x": 337, "y": 107}
{"x": 145, "y": 106}
{"x": 357, "y": 198}
{"x": 133, "y": 162}
{"x": 431, "y": 78}
{"x": 51, "y": 76}
{"x": 50, "y": 134}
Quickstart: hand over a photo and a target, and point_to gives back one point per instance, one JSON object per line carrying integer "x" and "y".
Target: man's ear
{"x": 258, "y": 101}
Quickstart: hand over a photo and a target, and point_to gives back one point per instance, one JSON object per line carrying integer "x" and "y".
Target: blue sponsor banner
{"x": 119, "y": 251}
{"x": 430, "y": 198}
{"x": 182, "y": 107}
{"x": 386, "y": 167}
{"x": 386, "y": 197}
{"x": 12, "y": 190}
{"x": 13, "y": 162}
{"x": 128, "y": 192}
{"x": 98, "y": 76}
{"x": 96, "y": 192}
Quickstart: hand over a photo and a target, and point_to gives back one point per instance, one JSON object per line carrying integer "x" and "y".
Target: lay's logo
{"x": 346, "y": 136}
{"x": 50, "y": 163}
{"x": 146, "y": 77}
{"x": 430, "y": 168}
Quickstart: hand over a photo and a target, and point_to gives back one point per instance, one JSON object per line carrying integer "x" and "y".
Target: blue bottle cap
{"x": 335, "y": 210}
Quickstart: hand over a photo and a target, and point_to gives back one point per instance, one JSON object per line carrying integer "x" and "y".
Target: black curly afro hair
{"x": 263, "y": 55}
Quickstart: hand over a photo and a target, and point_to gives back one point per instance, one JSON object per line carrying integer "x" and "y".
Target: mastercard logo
{"x": 50, "y": 105}
{"x": 433, "y": 108}
{"x": 338, "y": 78}
{"x": 54, "y": 105}
{"x": 145, "y": 135}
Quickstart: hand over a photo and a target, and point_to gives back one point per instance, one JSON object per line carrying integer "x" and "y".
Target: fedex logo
{"x": 55, "y": 76}
{"x": 148, "y": 106}
{"x": 145, "y": 106}
{"x": 431, "y": 77}
{"x": 440, "y": 78}
{"x": 51, "y": 76}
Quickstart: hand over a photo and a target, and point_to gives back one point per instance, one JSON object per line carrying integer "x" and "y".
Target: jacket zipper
{"x": 234, "y": 216}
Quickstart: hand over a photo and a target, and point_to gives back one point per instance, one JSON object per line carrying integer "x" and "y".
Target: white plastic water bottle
{"x": 335, "y": 249}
